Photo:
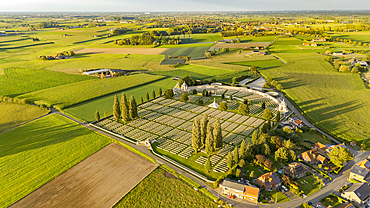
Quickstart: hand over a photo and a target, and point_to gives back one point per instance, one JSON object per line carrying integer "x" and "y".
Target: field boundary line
{"x": 111, "y": 133}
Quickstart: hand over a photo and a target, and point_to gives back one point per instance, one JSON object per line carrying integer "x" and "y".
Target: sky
{"x": 178, "y": 5}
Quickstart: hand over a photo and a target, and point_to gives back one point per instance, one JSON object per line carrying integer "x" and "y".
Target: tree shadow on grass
{"x": 27, "y": 137}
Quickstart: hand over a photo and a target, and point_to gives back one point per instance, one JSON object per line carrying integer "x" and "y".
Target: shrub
{"x": 168, "y": 93}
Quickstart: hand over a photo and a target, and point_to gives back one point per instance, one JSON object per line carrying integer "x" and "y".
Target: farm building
{"x": 295, "y": 170}
{"x": 269, "y": 180}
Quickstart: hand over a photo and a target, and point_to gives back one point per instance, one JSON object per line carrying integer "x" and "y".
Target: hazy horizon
{"x": 181, "y": 6}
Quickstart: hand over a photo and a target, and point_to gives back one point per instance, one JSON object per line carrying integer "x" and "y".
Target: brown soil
{"x": 169, "y": 175}
{"x": 145, "y": 51}
{"x": 99, "y": 181}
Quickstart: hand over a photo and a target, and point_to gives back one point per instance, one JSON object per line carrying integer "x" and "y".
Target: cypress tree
{"x": 208, "y": 165}
{"x": 217, "y": 135}
{"x": 141, "y": 100}
{"x": 125, "y": 108}
{"x": 195, "y": 137}
{"x": 242, "y": 149}
{"x": 236, "y": 155}
{"x": 263, "y": 106}
{"x": 153, "y": 94}
{"x": 209, "y": 140}
{"x": 97, "y": 116}
{"x": 229, "y": 160}
{"x": 133, "y": 107}
{"x": 277, "y": 116}
{"x": 116, "y": 108}
{"x": 147, "y": 96}
{"x": 223, "y": 106}
{"x": 203, "y": 129}
{"x": 159, "y": 92}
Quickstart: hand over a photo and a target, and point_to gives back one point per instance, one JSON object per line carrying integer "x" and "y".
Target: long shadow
{"x": 9, "y": 41}
{"x": 15, "y": 141}
{"x": 294, "y": 84}
{"x": 26, "y": 46}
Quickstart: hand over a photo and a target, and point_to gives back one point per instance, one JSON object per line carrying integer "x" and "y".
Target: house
{"x": 360, "y": 174}
{"x": 184, "y": 86}
{"x": 362, "y": 63}
{"x": 269, "y": 180}
{"x": 353, "y": 144}
{"x": 313, "y": 156}
{"x": 328, "y": 52}
{"x": 358, "y": 193}
{"x": 364, "y": 164}
{"x": 295, "y": 170}
{"x": 238, "y": 190}
{"x": 345, "y": 205}
{"x": 314, "y": 44}
{"x": 338, "y": 53}
{"x": 296, "y": 122}
{"x": 306, "y": 44}
{"x": 327, "y": 148}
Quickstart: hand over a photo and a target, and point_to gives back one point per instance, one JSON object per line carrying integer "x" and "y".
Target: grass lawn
{"x": 309, "y": 185}
{"x": 330, "y": 200}
{"x": 248, "y": 168}
{"x": 86, "y": 110}
{"x": 190, "y": 163}
{"x": 280, "y": 196}
{"x": 164, "y": 190}
{"x": 13, "y": 114}
{"x": 338, "y": 103}
{"x": 314, "y": 138}
{"x": 37, "y": 152}
{"x": 67, "y": 95}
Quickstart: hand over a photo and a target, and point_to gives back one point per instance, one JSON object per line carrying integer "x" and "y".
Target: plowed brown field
{"x": 101, "y": 180}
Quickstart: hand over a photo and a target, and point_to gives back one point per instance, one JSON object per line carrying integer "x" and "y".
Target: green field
{"x": 198, "y": 38}
{"x": 314, "y": 138}
{"x": 13, "y": 114}
{"x": 288, "y": 41}
{"x": 280, "y": 196}
{"x": 37, "y": 152}
{"x": 194, "y": 71}
{"x": 260, "y": 63}
{"x": 16, "y": 81}
{"x": 86, "y": 110}
{"x": 67, "y": 95}
{"x": 164, "y": 190}
{"x": 337, "y": 102}
{"x": 193, "y": 52}
{"x": 363, "y": 37}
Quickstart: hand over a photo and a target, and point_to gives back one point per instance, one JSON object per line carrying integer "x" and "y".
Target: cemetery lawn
{"x": 309, "y": 185}
{"x": 67, "y": 95}
{"x": 35, "y": 153}
{"x": 13, "y": 114}
{"x": 86, "y": 110}
{"x": 338, "y": 103}
{"x": 190, "y": 162}
{"x": 162, "y": 189}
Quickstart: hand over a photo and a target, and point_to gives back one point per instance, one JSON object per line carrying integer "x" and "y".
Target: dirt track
{"x": 144, "y": 51}
{"x": 240, "y": 45}
{"x": 99, "y": 181}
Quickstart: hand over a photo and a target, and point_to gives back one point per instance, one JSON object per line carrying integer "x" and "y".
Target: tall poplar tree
{"x": 229, "y": 160}
{"x": 203, "y": 128}
{"x": 209, "y": 146}
{"x": 116, "y": 108}
{"x": 153, "y": 94}
{"x": 236, "y": 154}
{"x": 147, "y": 96}
{"x": 242, "y": 149}
{"x": 217, "y": 135}
{"x": 195, "y": 137}
{"x": 159, "y": 92}
{"x": 133, "y": 108}
{"x": 124, "y": 108}
{"x": 97, "y": 116}
{"x": 255, "y": 137}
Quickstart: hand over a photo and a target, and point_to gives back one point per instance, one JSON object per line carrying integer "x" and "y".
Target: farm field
{"x": 336, "y": 102}
{"x": 13, "y": 114}
{"x": 193, "y": 52}
{"x": 162, "y": 189}
{"x": 241, "y": 45}
{"x": 67, "y": 95}
{"x": 260, "y": 64}
{"x": 199, "y": 38}
{"x": 98, "y": 181}
{"x": 194, "y": 71}
{"x": 357, "y": 36}
{"x": 86, "y": 110}
{"x": 26, "y": 80}
{"x": 37, "y": 152}
{"x": 144, "y": 51}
